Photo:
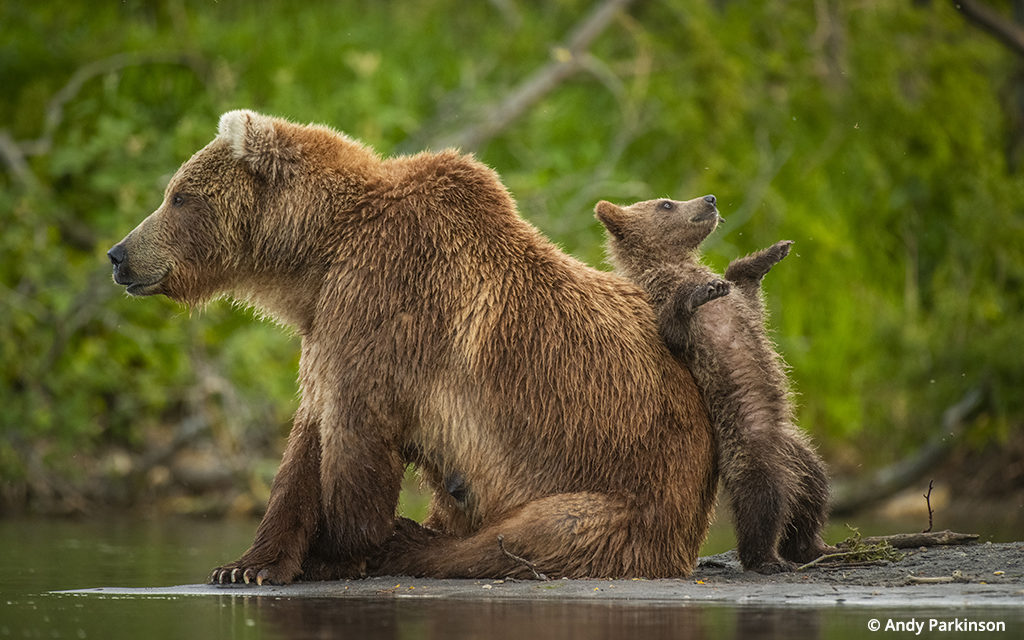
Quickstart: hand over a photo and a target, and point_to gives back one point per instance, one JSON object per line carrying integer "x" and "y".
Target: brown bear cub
{"x": 777, "y": 484}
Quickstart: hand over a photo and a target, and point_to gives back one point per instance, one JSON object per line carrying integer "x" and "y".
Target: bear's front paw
{"x": 242, "y": 572}
{"x": 780, "y": 250}
{"x": 710, "y": 291}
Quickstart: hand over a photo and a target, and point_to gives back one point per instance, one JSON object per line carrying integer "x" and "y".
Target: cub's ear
{"x": 612, "y": 217}
{"x": 257, "y": 141}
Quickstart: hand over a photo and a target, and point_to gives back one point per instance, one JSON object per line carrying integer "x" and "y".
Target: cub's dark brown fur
{"x": 776, "y": 483}
{"x": 438, "y": 328}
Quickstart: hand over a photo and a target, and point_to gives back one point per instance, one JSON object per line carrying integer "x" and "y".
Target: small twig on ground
{"x": 519, "y": 559}
{"x": 928, "y": 502}
{"x": 859, "y": 551}
{"x": 829, "y": 556}
{"x": 854, "y": 565}
{"x": 956, "y": 576}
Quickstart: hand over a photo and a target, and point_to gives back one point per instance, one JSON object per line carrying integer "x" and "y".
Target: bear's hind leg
{"x": 802, "y": 541}
{"x": 760, "y": 497}
{"x": 567, "y": 535}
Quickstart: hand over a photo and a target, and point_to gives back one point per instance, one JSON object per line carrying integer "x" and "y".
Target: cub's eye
{"x": 667, "y": 205}
{"x": 178, "y": 200}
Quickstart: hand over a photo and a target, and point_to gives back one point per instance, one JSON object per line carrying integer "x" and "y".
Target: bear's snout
{"x": 116, "y": 255}
{"x": 137, "y": 283}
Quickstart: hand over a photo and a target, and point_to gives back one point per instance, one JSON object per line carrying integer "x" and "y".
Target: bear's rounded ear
{"x": 612, "y": 217}
{"x": 255, "y": 140}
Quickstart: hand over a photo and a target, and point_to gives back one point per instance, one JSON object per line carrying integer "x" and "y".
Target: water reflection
{"x": 436, "y": 619}
{"x": 47, "y": 555}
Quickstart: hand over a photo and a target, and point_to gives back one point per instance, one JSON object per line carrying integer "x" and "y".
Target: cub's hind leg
{"x": 802, "y": 541}
{"x": 760, "y": 504}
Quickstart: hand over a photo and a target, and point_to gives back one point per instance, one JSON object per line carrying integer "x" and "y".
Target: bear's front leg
{"x": 361, "y": 473}
{"x": 676, "y": 314}
{"x": 751, "y": 269}
{"x": 705, "y": 293}
{"x": 284, "y": 535}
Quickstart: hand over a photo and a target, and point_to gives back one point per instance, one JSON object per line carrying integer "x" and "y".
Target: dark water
{"x": 39, "y": 556}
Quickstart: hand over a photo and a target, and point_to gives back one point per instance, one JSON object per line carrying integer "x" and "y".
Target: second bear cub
{"x": 777, "y": 484}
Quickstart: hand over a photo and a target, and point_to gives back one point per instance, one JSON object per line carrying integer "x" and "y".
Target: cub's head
{"x": 655, "y": 231}
{"x": 241, "y": 210}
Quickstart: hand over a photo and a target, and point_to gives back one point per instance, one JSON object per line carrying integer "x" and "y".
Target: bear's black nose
{"x": 116, "y": 255}
{"x": 710, "y": 200}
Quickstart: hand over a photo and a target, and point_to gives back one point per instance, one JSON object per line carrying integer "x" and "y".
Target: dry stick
{"x": 928, "y": 580}
{"x": 519, "y": 559}
{"x": 829, "y": 556}
{"x": 928, "y": 502}
{"x": 567, "y": 61}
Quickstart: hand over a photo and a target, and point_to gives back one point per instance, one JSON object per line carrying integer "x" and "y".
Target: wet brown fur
{"x": 777, "y": 484}
{"x": 440, "y": 329}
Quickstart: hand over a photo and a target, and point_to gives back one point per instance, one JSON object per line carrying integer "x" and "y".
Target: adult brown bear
{"x": 441, "y": 329}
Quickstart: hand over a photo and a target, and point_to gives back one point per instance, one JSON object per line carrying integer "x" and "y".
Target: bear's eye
{"x": 178, "y": 200}
{"x": 667, "y": 205}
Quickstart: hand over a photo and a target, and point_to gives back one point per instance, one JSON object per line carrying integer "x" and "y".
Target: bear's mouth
{"x": 711, "y": 214}
{"x": 146, "y": 288}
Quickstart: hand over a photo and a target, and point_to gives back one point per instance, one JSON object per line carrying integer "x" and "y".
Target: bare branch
{"x": 928, "y": 502}
{"x": 991, "y": 21}
{"x": 14, "y": 158}
{"x": 55, "y": 108}
{"x": 888, "y": 480}
{"x": 828, "y": 556}
{"x": 13, "y": 153}
{"x": 567, "y": 60}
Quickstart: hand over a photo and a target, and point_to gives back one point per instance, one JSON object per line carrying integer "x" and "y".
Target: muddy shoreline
{"x": 985, "y": 574}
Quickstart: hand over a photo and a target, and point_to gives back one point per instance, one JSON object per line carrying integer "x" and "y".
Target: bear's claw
{"x": 780, "y": 249}
{"x": 239, "y": 575}
{"x": 707, "y": 292}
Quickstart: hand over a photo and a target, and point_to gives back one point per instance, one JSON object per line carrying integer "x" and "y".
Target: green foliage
{"x": 872, "y": 134}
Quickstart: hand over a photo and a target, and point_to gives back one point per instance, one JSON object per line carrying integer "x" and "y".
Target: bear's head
{"x": 247, "y": 215}
{"x": 657, "y": 231}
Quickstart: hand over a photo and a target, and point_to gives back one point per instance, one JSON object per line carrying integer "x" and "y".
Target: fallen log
{"x": 912, "y": 540}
